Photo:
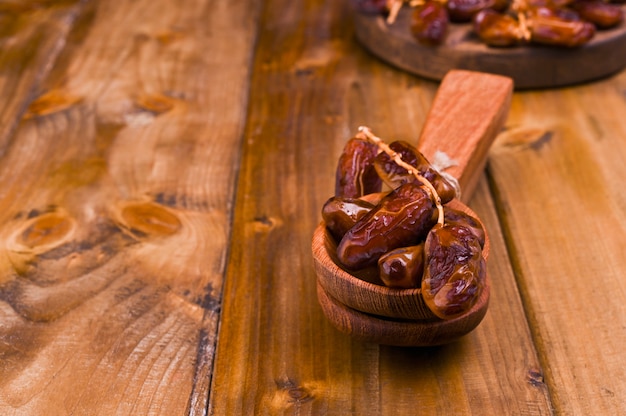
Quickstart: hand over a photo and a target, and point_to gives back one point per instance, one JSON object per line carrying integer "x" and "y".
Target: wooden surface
{"x": 533, "y": 66}
{"x": 163, "y": 169}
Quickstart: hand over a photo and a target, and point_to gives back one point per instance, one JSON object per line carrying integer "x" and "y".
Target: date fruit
{"x": 548, "y": 28}
{"x": 402, "y": 218}
{"x": 340, "y": 214}
{"x": 394, "y": 175}
{"x": 496, "y": 29}
{"x": 356, "y": 175}
{"x": 455, "y": 217}
{"x": 603, "y": 15}
{"x": 429, "y": 22}
{"x": 454, "y": 271}
{"x": 402, "y": 267}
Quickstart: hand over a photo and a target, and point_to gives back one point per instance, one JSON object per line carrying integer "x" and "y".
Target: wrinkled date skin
{"x": 340, "y": 214}
{"x": 454, "y": 272}
{"x": 601, "y": 14}
{"x": 356, "y": 175}
{"x": 402, "y": 267}
{"x": 496, "y": 29}
{"x": 455, "y": 217}
{"x": 429, "y": 22}
{"x": 548, "y": 28}
{"x": 401, "y": 219}
{"x": 394, "y": 175}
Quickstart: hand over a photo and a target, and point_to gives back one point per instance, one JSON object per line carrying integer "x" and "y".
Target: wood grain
{"x": 559, "y": 176}
{"x": 163, "y": 166}
{"x": 277, "y": 354}
{"x": 115, "y": 207}
{"x": 31, "y": 37}
{"x": 533, "y": 66}
{"x": 468, "y": 112}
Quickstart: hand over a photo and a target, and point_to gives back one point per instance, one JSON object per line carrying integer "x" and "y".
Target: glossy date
{"x": 340, "y": 214}
{"x": 454, "y": 271}
{"x": 394, "y": 175}
{"x": 548, "y": 27}
{"x": 402, "y": 267}
{"x": 355, "y": 175}
{"x": 603, "y": 15}
{"x": 429, "y": 22}
{"x": 402, "y": 218}
{"x": 496, "y": 29}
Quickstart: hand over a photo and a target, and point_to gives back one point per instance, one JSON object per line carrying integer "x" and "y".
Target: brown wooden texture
{"x": 116, "y": 195}
{"x": 559, "y": 175}
{"x": 129, "y": 148}
{"x": 31, "y": 37}
{"x": 467, "y": 114}
{"x": 312, "y": 87}
{"x": 530, "y": 66}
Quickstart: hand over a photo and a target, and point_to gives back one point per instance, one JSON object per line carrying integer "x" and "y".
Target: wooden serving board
{"x": 529, "y": 66}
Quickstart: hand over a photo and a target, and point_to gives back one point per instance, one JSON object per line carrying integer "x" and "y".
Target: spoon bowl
{"x": 469, "y": 111}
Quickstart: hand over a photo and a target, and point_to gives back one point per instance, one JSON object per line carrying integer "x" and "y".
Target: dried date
{"x": 603, "y": 15}
{"x": 455, "y": 217}
{"x": 548, "y": 28}
{"x": 356, "y": 175}
{"x": 402, "y": 267}
{"x": 402, "y": 218}
{"x": 341, "y": 214}
{"x": 454, "y": 271}
{"x": 496, "y": 29}
{"x": 394, "y": 175}
{"x": 429, "y": 22}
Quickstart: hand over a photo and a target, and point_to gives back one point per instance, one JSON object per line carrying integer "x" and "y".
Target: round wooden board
{"x": 531, "y": 66}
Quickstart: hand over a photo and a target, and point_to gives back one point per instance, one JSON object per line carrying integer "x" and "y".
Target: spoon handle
{"x": 469, "y": 111}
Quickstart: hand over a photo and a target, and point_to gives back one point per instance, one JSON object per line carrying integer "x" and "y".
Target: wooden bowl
{"x": 468, "y": 112}
{"x": 366, "y": 296}
{"x": 377, "y": 313}
{"x": 401, "y": 333}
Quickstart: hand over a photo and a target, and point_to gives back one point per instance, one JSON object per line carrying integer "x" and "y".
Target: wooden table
{"x": 163, "y": 165}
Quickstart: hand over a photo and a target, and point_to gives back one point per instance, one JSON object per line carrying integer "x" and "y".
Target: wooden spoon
{"x": 468, "y": 112}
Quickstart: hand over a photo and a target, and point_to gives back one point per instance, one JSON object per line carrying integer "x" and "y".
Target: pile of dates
{"x": 506, "y": 23}
{"x": 395, "y": 221}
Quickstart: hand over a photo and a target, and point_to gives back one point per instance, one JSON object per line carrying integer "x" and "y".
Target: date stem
{"x": 366, "y": 133}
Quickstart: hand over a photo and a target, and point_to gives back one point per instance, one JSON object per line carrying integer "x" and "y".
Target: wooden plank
{"x": 116, "y": 211}
{"x": 31, "y": 37}
{"x": 277, "y": 354}
{"x": 559, "y": 174}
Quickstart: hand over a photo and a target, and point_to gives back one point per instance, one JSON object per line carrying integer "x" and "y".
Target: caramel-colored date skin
{"x": 496, "y": 29}
{"x": 340, "y": 214}
{"x": 429, "y": 22}
{"x": 402, "y": 267}
{"x": 395, "y": 175}
{"x": 454, "y": 272}
{"x": 551, "y": 29}
{"x": 601, "y": 14}
{"x": 401, "y": 219}
{"x": 356, "y": 175}
{"x": 455, "y": 217}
